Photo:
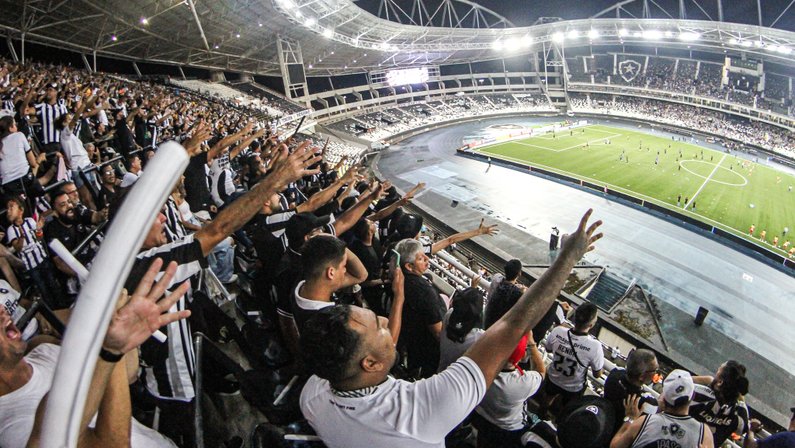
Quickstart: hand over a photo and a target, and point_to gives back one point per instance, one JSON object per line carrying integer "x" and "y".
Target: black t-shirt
{"x": 617, "y": 389}
{"x": 550, "y": 320}
{"x": 505, "y": 297}
{"x": 369, "y": 258}
{"x": 197, "y": 193}
{"x": 422, "y": 308}
{"x": 70, "y": 236}
{"x": 125, "y": 138}
{"x": 110, "y": 198}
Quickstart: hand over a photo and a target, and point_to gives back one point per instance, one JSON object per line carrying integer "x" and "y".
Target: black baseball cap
{"x": 302, "y": 224}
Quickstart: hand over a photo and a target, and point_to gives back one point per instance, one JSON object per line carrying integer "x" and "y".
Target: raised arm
{"x": 245, "y": 143}
{"x": 355, "y": 272}
{"x": 323, "y": 197}
{"x": 227, "y": 141}
{"x": 492, "y": 350}
{"x": 288, "y": 168}
{"x": 352, "y": 215}
{"x": 463, "y": 236}
{"x": 396, "y": 313}
{"x": 385, "y": 212}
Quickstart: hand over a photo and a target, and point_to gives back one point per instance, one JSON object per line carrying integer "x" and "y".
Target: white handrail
{"x": 97, "y": 300}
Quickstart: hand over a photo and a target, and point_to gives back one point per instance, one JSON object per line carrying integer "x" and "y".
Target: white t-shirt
{"x": 449, "y": 350}
{"x": 222, "y": 179}
{"x": 503, "y": 404}
{"x": 565, "y": 371}
{"x": 74, "y": 150}
{"x": 397, "y": 413}
{"x": 18, "y": 409}
{"x": 130, "y": 178}
{"x": 14, "y": 162}
{"x": 9, "y": 298}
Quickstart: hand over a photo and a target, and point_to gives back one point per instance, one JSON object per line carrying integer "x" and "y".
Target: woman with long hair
{"x": 18, "y": 163}
{"x": 719, "y": 401}
{"x": 462, "y": 325}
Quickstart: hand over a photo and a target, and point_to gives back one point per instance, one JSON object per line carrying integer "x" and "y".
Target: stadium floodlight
{"x": 593, "y": 34}
{"x": 558, "y": 36}
{"x": 114, "y": 38}
{"x": 298, "y": 14}
{"x": 310, "y": 22}
{"x": 759, "y": 44}
{"x": 144, "y": 21}
{"x": 638, "y": 34}
{"x": 746, "y": 43}
{"x": 497, "y": 45}
{"x": 511, "y": 43}
{"x": 623, "y": 32}
{"x": 784, "y": 50}
{"x": 328, "y": 33}
{"x": 733, "y": 41}
{"x": 689, "y": 36}
{"x": 573, "y": 34}
{"x": 652, "y": 34}
{"x": 384, "y": 46}
{"x": 527, "y": 40}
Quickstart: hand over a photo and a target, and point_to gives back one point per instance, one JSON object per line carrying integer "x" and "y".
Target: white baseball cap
{"x": 678, "y": 388}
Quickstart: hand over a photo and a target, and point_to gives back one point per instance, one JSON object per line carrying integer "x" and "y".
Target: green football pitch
{"x": 723, "y": 190}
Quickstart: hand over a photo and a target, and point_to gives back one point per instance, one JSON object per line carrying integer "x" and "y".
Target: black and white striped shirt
{"x": 48, "y": 114}
{"x": 168, "y": 368}
{"x": 32, "y": 253}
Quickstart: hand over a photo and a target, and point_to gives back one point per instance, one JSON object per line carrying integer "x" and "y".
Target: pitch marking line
{"x": 579, "y": 145}
{"x": 714, "y": 170}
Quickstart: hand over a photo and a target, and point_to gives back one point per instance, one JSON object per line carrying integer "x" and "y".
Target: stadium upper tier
{"x": 340, "y": 37}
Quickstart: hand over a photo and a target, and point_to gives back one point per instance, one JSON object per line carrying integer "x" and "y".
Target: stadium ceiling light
{"x": 511, "y": 43}
{"x": 114, "y": 38}
{"x": 573, "y": 34}
{"x": 328, "y": 33}
{"x": 259, "y": 24}
{"x": 746, "y": 43}
{"x": 216, "y": 46}
{"x": 784, "y": 50}
{"x": 310, "y": 22}
{"x": 638, "y": 34}
{"x": 237, "y": 35}
{"x": 527, "y": 40}
{"x": 593, "y": 34}
{"x": 652, "y": 34}
{"x": 558, "y": 36}
{"x": 733, "y": 41}
{"x": 689, "y": 36}
{"x": 669, "y": 34}
{"x": 623, "y": 32}
{"x": 384, "y": 46}
{"x": 144, "y": 21}
{"x": 772, "y": 47}
{"x": 759, "y": 44}
{"x": 497, "y": 45}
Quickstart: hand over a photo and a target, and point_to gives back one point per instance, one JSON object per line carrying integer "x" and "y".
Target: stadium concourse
{"x": 308, "y": 223}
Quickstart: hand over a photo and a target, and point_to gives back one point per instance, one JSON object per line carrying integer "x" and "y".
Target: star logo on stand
{"x": 629, "y": 69}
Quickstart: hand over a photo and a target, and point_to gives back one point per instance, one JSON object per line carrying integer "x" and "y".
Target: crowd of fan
{"x": 772, "y": 138}
{"x": 380, "y": 125}
{"x": 688, "y": 77}
{"x": 382, "y": 359}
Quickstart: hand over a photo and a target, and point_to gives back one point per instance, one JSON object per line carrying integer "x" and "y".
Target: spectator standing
{"x": 461, "y": 326}
{"x": 505, "y": 294}
{"x": 641, "y": 368}
{"x": 47, "y": 112}
{"x": 18, "y": 163}
{"x": 500, "y": 418}
{"x": 23, "y": 235}
{"x": 671, "y": 427}
{"x": 134, "y": 171}
{"x": 718, "y": 401}
{"x": 573, "y": 351}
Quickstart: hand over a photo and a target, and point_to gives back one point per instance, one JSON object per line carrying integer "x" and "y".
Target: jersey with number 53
{"x": 566, "y": 371}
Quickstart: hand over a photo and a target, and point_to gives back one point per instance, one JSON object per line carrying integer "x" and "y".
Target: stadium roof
{"x": 338, "y": 36}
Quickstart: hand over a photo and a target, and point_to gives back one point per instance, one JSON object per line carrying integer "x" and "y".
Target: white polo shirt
{"x": 398, "y": 413}
{"x": 504, "y": 402}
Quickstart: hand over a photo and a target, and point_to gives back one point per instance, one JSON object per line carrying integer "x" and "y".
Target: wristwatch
{"x": 628, "y": 420}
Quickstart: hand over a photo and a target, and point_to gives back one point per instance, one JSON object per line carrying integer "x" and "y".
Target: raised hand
{"x": 397, "y": 283}
{"x": 137, "y": 317}
{"x": 582, "y": 240}
{"x": 487, "y": 230}
{"x": 290, "y": 168}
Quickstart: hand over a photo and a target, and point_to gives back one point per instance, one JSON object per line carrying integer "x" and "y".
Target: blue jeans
{"x": 222, "y": 260}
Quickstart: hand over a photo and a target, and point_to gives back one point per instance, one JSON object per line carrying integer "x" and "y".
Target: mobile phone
{"x": 394, "y": 262}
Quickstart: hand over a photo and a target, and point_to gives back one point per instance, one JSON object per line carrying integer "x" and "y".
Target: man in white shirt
{"x": 134, "y": 171}
{"x": 573, "y": 351}
{"x": 351, "y": 401}
{"x": 500, "y": 418}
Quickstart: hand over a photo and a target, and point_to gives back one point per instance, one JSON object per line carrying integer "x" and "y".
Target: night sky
{"x": 525, "y": 12}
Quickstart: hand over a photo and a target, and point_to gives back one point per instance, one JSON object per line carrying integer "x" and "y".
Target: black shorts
{"x": 27, "y": 185}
